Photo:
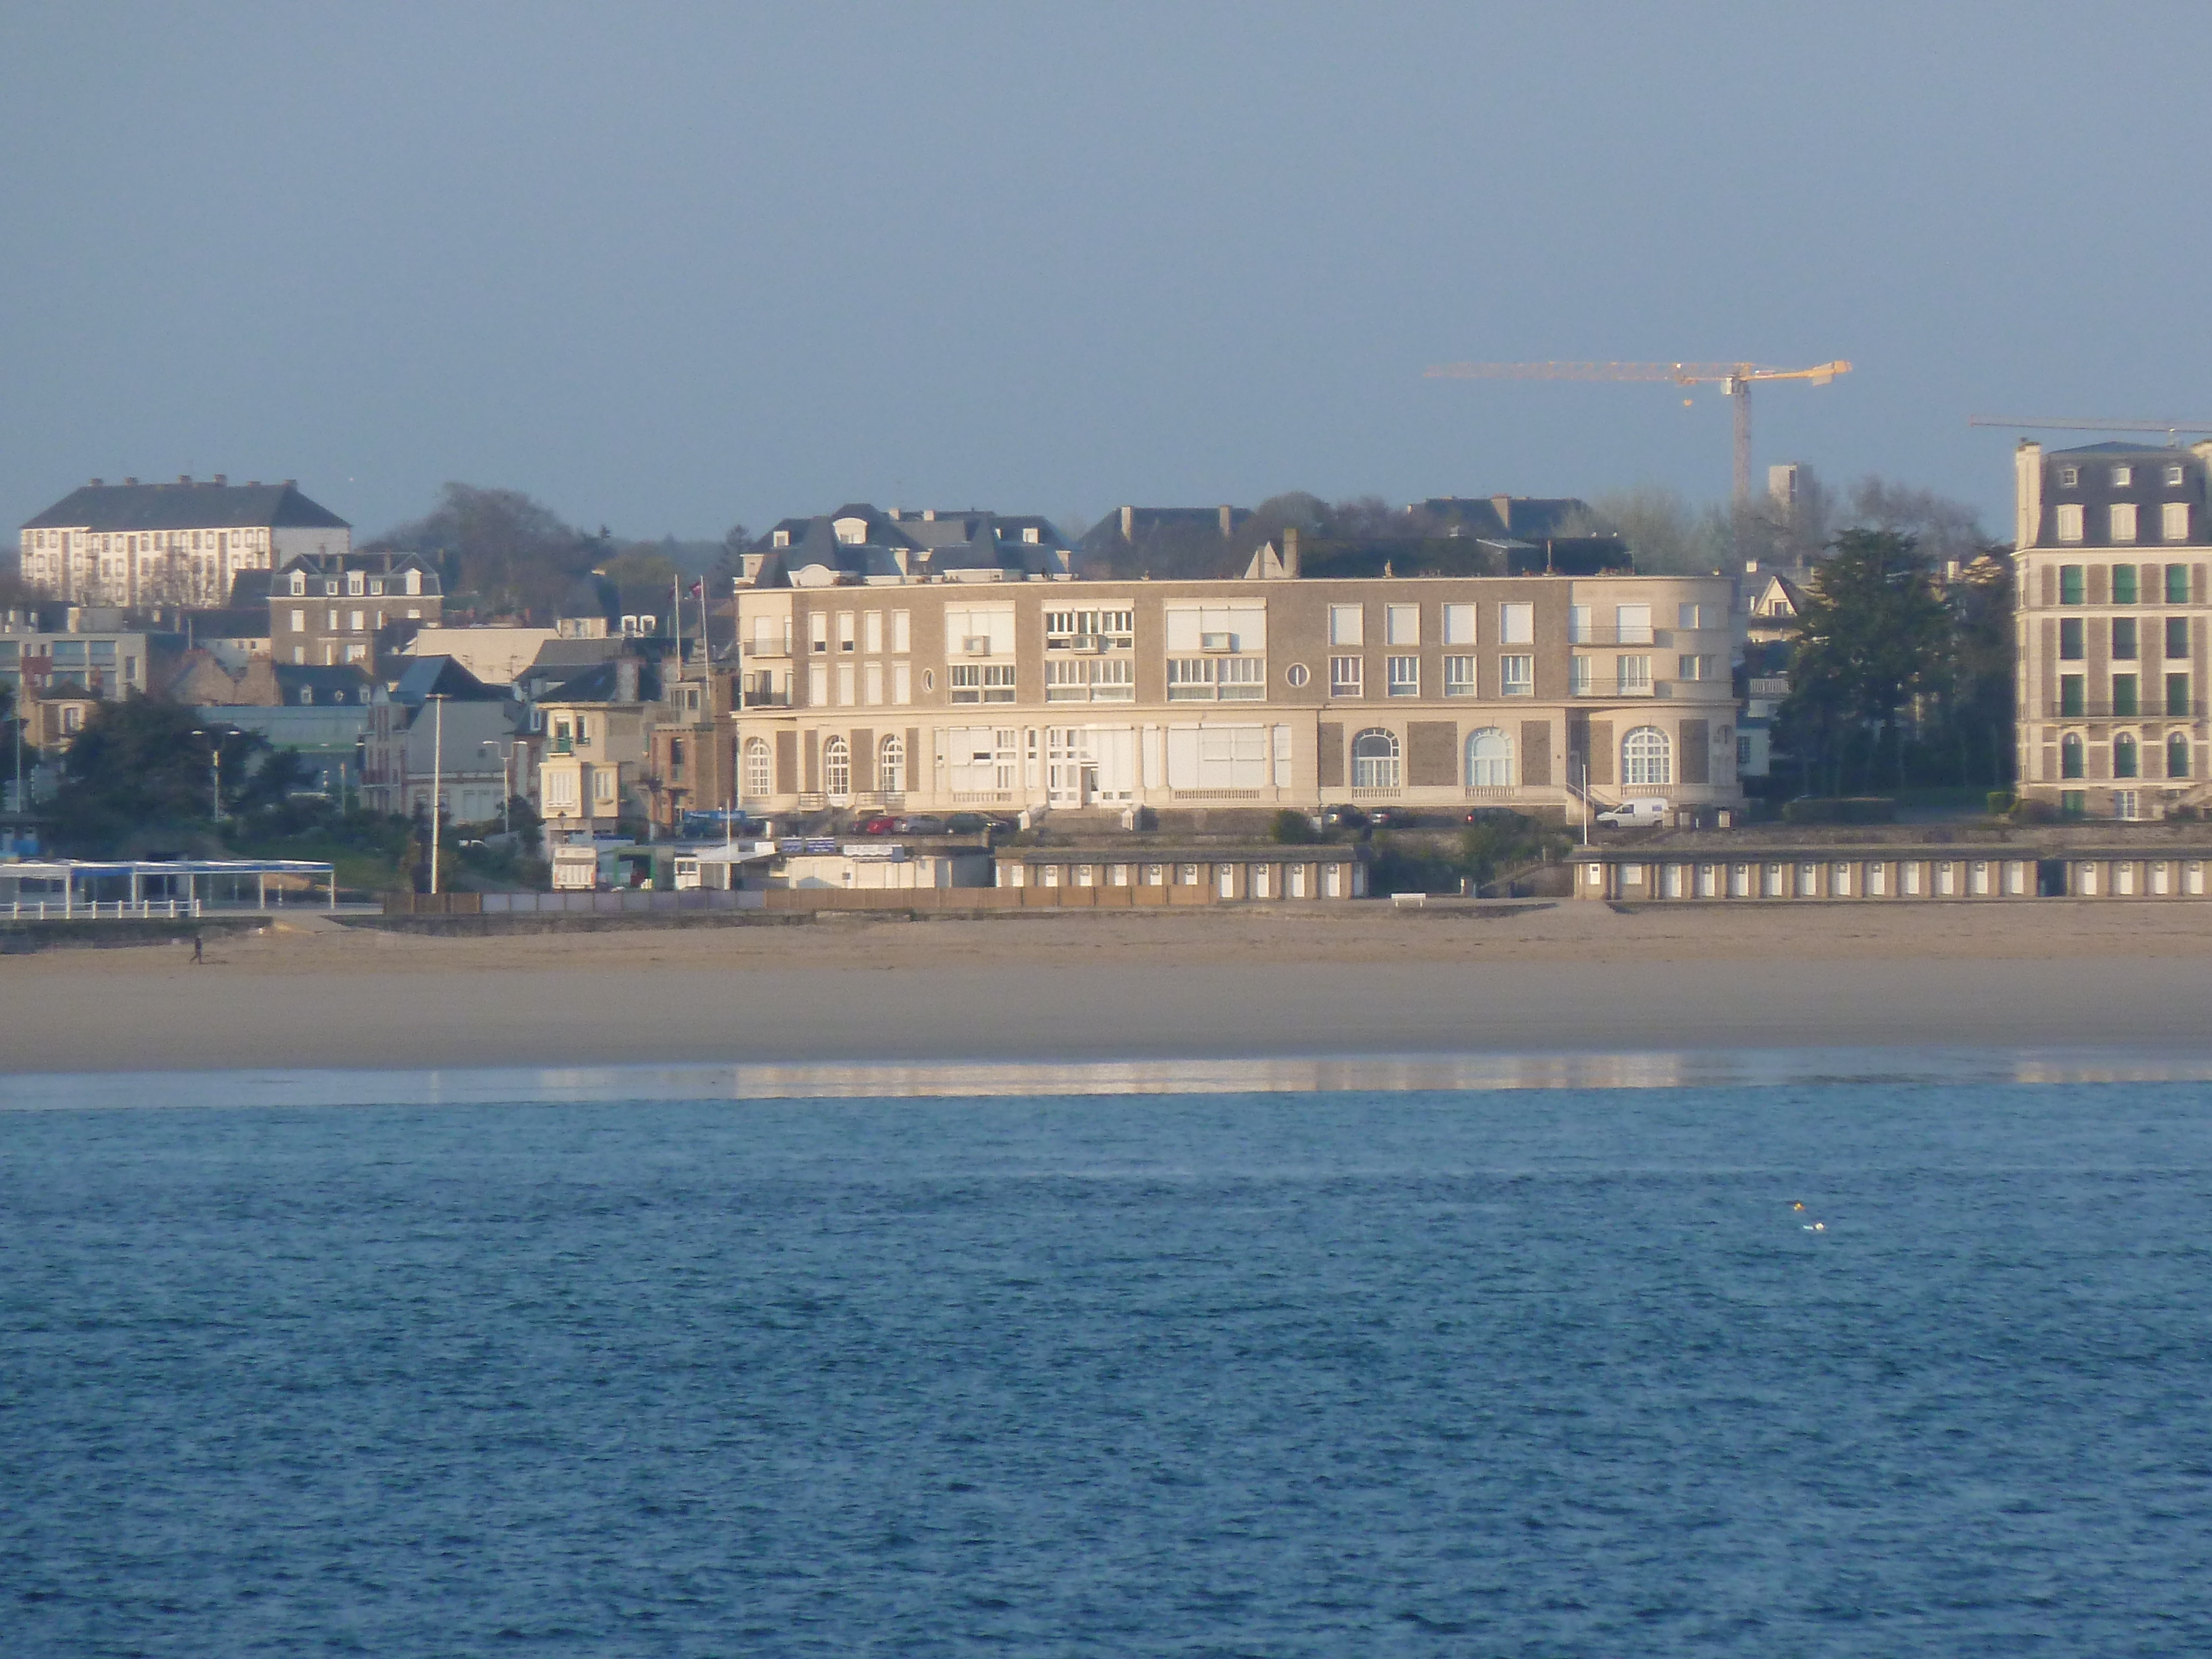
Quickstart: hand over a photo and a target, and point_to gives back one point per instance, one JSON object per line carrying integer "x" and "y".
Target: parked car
{"x": 967, "y": 823}
{"x": 1390, "y": 817}
{"x": 876, "y": 823}
{"x": 1488, "y": 815}
{"x": 1343, "y": 818}
{"x": 1639, "y": 812}
{"x": 921, "y": 823}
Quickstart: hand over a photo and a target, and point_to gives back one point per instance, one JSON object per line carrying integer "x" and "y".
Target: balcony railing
{"x": 1600, "y": 633}
{"x": 2148, "y": 709}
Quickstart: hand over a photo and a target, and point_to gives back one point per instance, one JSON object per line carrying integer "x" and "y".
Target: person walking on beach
{"x": 198, "y": 951}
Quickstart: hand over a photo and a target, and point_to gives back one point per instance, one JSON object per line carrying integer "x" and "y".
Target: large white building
{"x": 179, "y": 543}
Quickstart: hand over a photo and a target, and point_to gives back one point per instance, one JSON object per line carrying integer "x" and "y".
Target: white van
{"x": 1644, "y": 812}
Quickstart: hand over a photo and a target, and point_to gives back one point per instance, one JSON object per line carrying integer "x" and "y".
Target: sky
{"x": 669, "y": 266}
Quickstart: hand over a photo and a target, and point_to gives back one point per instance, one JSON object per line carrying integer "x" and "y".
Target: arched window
{"x": 759, "y": 779}
{"x": 836, "y": 768}
{"x": 1646, "y": 758}
{"x": 1490, "y": 759}
{"x": 2177, "y": 757}
{"x": 2127, "y": 761}
{"x": 1374, "y": 760}
{"x": 890, "y": 763}
{"x": 2070, "y": 756}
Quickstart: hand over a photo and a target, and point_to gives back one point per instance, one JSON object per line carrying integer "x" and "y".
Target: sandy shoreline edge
{"x": 1575, "y": 979}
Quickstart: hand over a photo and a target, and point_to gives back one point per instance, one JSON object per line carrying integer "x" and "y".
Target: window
{"x": 1490, "y": 759}
{"x": 299, "y": 622}
{"x": 2071, "y": 638}
{"x": 2072, "y": 754}
{"x": 2068, "y": 520}
{"x": 1344, "y": 676}
{"x": 872, "y": 632}
{"x": 1517, "y": 623}
{"x": 1090, "y": 630}
{"x": 2177, "y": 697}
{"x": 2126, "y": 760}
{"x": 836, "y": 768}
{"x": 2069, "y": 583}
{"x": 902, "y": 682}
{"x": 1402, "y": 625}
{"x": 2070, "y": 478}
{"x": 1578, "y": 676}
{"x": 2070, "y": 695}
{"x": 890, "y": 764}
{"x": 2124, "y": 638}
{"x": 1699, "y": 667}
{"x": 356, "y": 622}
{"x": 1459, "y": 676}
{"x": 1580, "y": 626}
{"x": 1697, "y": 616}
{"x": 2177, "y": 756}
{"x": 2125, "y": 701}
{"x": 1517, "y": 676}
{"x": 980, "y": 682}
{"x": 2123, "y": 583}
{"x": 2177, "y": 584}
{"x": 2072, "y": 804}
{"x": 846, "y": 689}
{"x": 758, "y": 775}
{"x": 1085, "y": 679}
{"x": 2123, "y": 519}
{"x": 902, "y": 631}
{"x": 356, "y": 651}
{"x": 871, "y": 683}
{"x": 817, "y": 686}
{"x": 1646, "y": 758}
{"x": 1405, "y": 676}
{"x": 1459, "y": 624}
{"x": 1190, "y": 679}
{"x": 817, "y": 631}
{"x": 354, "y": 580}
{"x": 1374, "y": 760}
{"x": 845, "y": 641}
{"x": 1212, "y": 759}
{"x": 2122, "y": 476}
{"x": 1296, "y": 674}
{"x": 1345, "y": 624}
{"x": 2173, "y": 476}
{"x": 2177, "y": 637}
{"x": 299, "y": 585}
{"x": 2173, "y": 521}
{"x": 2126, "y": 804}
{"x": 1632, "y": 676}
{"x": 1633, "y": 623}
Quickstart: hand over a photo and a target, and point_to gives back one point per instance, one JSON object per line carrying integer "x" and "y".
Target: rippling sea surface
{"x": 1489, "y": 1371}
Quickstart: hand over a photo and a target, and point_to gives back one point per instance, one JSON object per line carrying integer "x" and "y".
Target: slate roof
{"x": 597, "y": 684}
{"x": 185, "y": 505}
{"x": 441, "y": 676}
{"x": 325, "y": 686}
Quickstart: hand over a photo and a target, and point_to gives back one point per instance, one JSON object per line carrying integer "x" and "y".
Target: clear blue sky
{"x": 668, "y": 265}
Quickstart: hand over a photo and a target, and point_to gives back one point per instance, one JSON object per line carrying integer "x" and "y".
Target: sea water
{"x": 1333, "y": 1372}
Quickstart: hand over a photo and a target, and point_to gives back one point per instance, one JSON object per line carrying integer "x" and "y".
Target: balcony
{"x": 561, "y": 746}
{"x": 1596, "y": 634}
{"x": 2149, "y": 709}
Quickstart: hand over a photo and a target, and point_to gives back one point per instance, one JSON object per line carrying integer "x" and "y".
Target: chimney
{"x": 1228, "y": 522}
{"x": 1290, "y": 553}
{"x": 184, "y": 477}
{"x": 1503, "y": 507}
{"x": 221, "y": 479}
{"x": 625, "y": 679}
{"x": 1128, "y": 524}
{"x": 97, "y": 483}
{"x": 130, "y": 481}
{"x": 929, "y": 515}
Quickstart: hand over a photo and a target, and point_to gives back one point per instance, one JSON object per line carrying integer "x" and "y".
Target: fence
{"x": 806, "y": 900}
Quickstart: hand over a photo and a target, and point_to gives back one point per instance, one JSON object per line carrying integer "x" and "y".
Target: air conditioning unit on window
{"x": 1217, "y": 641}
{"x": 976, "y": 645}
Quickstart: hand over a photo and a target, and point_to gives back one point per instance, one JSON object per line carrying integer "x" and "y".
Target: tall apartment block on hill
{"x": 137, "y": 545}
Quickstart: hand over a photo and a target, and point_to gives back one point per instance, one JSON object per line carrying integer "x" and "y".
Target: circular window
{"x": 1296, "y": 674}
{"x": 929, "y": 679}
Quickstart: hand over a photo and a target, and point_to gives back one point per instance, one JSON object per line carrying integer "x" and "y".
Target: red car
{"x": 876, "y": 823}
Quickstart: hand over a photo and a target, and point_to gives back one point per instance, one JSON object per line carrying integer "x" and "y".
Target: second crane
{"x": 1735, "y": 379}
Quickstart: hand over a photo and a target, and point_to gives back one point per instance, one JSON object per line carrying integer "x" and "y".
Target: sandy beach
{"x": 1571, "y": 979}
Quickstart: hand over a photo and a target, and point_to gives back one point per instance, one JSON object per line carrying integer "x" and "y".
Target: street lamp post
{"x": 214, "y": 775}
{"x": 437, "y": 778}
{"x": 506, "y": 788}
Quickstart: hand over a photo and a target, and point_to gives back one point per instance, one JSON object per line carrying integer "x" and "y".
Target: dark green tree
{"x": 1871, "y": 638}
{"x": 141, "y": 774}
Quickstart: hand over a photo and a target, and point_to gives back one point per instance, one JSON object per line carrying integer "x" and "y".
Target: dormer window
{"x": 780, "y": 539}
{"x": 2070, "y": 478}
{"x": 414, "y": 581}
{"x": 299, "y": 584}
{"x": 1032, "y": 535}
{"x": 2173, "y": 476}
{"x": 376, "y": 586}
{"x": 851, "y": 532}
{"x": 2122, "y": 476}
{"x": 354, "y": 583}
{"x": 330, "y": 587}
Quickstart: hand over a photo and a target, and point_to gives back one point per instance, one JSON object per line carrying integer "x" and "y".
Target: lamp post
{"x": 215, "y": 773}
{"x": 505, "y": 789}
{"x": 437, "y": 700}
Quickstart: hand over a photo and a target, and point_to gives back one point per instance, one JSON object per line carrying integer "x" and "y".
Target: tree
{"x": 1668, "y": 535}
{"x": 1871, "y": 636}
{"x": 140, "y": 774}
{"x": 514, "y": 554}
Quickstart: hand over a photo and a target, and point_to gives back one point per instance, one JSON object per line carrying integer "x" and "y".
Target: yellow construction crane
{"x": 1735, "y": 378}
